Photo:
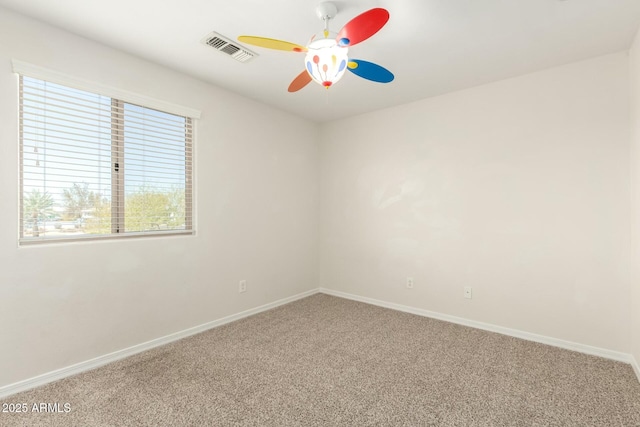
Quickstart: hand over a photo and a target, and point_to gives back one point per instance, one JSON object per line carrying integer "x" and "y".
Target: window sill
{"x": 36, "y": 241}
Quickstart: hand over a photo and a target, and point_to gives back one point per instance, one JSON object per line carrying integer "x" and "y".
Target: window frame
{"x": 118, "y": 99}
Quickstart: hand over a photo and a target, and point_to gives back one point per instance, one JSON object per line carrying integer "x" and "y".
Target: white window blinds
{"x": 95, "y": 166}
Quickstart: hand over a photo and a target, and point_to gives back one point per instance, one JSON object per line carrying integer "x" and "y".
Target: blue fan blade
{"x": 370, "y": 71}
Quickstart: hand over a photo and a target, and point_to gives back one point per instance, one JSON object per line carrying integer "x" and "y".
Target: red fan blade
{"x": 299, "y": 82}
{"x": 362, "y": 27}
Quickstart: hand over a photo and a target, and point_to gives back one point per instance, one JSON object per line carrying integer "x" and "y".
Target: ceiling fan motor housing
{"x": 326, "y": 10}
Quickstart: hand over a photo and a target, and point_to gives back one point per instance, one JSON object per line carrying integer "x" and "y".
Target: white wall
{"x": 519, "y": 189}
{"x": 257, "y": 219}
{"x": 635, "y": 168}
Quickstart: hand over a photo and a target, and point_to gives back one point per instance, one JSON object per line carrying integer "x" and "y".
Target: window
{"x": 96, "y": 166}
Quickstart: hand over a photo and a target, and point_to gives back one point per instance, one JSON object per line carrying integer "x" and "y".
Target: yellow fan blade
{"x": 272, "y": 43}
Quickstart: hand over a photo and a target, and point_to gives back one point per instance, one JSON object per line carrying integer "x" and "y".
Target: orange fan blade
{"x": 299, "y": 82}
{"x": 362, "y": 27}
{"x": 272, "y": 43}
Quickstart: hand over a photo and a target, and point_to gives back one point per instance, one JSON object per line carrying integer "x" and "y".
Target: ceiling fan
{"x": 326, "y": 60}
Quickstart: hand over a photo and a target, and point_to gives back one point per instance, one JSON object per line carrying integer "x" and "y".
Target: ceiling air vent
{"x": 233, "y": 49}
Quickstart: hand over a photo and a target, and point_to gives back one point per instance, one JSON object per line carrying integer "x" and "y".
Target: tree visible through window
{"x": 92, "y": 165}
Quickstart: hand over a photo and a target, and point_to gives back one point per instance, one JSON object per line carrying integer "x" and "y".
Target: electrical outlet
{"x": 410, "y": 282}
{"x": 242, "y": 286}
{"x": 467, "y": 292}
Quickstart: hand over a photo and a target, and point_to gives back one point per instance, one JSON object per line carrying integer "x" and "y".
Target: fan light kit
{"x": 326, "y": 57}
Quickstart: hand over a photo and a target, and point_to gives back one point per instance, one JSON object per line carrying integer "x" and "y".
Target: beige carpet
{"x": 326, "y": 361}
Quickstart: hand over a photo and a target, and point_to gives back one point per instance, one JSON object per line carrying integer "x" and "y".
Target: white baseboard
{"x": 636, "y": 367}
{"x": 568, "y": 345}
{"x": 58, "y": 374}
{"x": 121, "y": 354}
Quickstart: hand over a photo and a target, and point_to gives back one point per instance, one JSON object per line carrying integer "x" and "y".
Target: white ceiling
{"x": 432, "y": 46}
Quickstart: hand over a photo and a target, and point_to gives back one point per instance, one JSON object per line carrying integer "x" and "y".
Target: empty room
{"x": 307, "y": 213}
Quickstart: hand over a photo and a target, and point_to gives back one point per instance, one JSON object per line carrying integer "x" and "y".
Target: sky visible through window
{"x": 70, "y": 138}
